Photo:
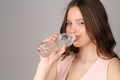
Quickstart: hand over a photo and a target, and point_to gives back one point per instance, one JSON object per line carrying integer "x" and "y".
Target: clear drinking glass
{"x": 46, "y": 48}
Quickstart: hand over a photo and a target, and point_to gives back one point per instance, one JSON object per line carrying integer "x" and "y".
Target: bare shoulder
{"x": 114, "y": 70}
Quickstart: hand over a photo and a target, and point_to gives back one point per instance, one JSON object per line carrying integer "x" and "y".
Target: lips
{"x": 77, "y": 37}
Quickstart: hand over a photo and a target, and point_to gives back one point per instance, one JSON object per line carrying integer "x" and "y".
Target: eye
{"x": 68, "y": 23}
{"x": 80, "y": 23}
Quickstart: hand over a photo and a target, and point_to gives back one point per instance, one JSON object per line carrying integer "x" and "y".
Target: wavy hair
{"x": 97, "y": 26}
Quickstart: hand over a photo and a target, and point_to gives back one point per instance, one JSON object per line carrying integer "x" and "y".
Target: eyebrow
{"x": 79, "y": 20}
{"x": 76, "y": 19}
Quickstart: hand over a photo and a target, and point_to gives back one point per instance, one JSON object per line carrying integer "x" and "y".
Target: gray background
{"x": 24, "y": 23}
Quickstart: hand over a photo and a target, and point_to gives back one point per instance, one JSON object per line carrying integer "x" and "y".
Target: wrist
{"x": 44, "y": 64}
{"x": 42, "y": 71}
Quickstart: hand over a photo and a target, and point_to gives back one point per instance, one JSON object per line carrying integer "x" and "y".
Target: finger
{"x": 62, "y": 50}
{"x": 53, "y": 37}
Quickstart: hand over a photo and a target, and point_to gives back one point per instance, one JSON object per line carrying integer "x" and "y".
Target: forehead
{"x": 74, "y": 13}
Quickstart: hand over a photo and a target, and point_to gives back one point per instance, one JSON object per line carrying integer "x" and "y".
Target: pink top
{"x": 98, "y": 71}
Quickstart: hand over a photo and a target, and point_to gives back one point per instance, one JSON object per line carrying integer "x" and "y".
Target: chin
{"x": 76, "y": 45}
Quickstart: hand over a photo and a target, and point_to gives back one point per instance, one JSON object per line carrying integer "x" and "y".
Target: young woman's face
{"x": 75, "y": 25}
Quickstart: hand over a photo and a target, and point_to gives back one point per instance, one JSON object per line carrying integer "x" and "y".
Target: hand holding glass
{"x": 46, "y": 48}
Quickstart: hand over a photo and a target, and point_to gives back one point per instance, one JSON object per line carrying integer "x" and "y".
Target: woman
{"x": 91, "y": 57}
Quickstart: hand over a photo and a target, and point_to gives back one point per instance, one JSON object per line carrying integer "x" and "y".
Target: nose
{"x": 72, "y": 29}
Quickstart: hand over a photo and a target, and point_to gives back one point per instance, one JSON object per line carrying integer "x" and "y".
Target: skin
{"x": 83, "y": 60}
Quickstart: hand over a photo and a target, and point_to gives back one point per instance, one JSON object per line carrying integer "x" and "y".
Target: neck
{"x": 88, "y": 52}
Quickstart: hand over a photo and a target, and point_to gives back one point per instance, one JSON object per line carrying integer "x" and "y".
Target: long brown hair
{"x": 97, "y": 26}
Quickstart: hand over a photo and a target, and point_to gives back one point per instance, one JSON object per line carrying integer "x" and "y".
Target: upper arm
{"x": 114, "y": 70}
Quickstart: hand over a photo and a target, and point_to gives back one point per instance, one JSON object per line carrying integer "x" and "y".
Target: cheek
{"x": 83, "y": 29}
{"x": 68, "y": 30}
{"x": 84, "y": 35}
